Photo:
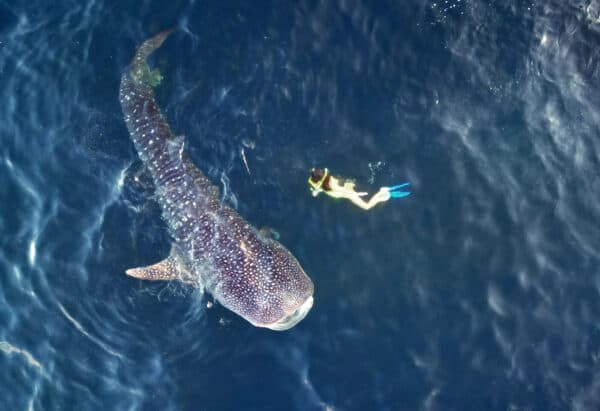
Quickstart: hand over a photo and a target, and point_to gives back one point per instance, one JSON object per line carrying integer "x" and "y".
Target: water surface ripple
{"x": 480, "y": 291}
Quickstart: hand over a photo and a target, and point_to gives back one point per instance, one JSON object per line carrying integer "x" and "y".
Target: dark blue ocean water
{"x": 481, "y": 291}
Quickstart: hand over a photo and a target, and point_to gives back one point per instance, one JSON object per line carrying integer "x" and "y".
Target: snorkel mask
{"x": 320, "y": 176}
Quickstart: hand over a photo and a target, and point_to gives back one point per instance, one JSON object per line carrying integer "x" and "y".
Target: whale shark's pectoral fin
{"x": 168, "y": 269}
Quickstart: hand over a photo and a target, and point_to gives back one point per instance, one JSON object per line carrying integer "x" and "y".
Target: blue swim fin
{"x": 398, "y": 194}
{"x": 392, "y": 188}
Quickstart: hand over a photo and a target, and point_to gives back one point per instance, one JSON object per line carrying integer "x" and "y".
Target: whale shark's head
{"x": 292, "y": 319}
{"x": 269, "y": 289}
{"x": 290, "y": 297}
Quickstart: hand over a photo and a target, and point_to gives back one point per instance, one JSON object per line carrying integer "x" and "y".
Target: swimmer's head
{"x": 316, "y": 175}
{"x": 319, "y": 180}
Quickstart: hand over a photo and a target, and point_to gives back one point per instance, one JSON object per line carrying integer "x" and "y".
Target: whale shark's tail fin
{"x": 140, "y": 72}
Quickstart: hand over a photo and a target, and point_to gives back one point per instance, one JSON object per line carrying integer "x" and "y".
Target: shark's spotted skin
{"x": 251, "y": 274}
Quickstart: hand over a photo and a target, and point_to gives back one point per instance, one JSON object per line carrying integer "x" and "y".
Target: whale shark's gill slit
{"x": 248, "y": 273}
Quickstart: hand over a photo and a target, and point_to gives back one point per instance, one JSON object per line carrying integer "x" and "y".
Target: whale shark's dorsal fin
{"x": 175, "y": 147}
{"x": 268, "y": 232}
{"x": 171, "y": 268}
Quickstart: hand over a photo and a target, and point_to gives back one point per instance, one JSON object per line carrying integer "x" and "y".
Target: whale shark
{"x": 213, "y": 247}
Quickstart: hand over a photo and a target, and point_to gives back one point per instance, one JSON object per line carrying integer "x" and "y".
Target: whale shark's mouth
{"x": 294, "y": 318}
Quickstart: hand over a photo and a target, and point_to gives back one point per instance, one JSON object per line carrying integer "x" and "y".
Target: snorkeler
{"x": 322, "y": 181}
